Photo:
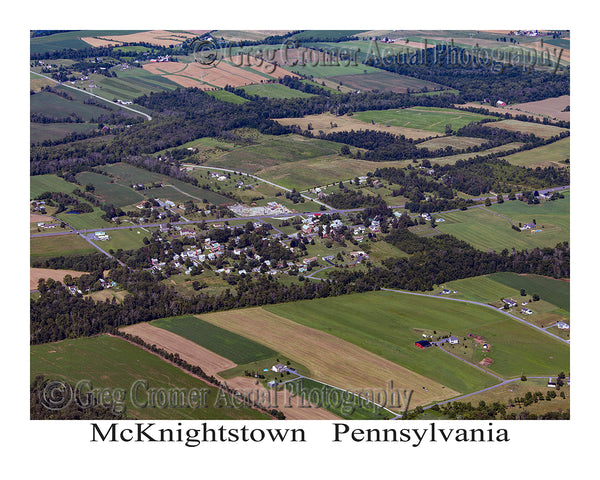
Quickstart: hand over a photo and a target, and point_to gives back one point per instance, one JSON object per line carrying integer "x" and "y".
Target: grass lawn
{"x": 236, "y": 348}
{"x": 424, "y": 118}
{"x": 384, "y": 323}
{"x": 55, "y": 246}
{"x": 114, "y": 363}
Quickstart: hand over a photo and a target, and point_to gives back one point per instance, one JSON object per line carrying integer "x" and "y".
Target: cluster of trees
{"x": 354, "y": 199}
{"x": 73, "y": 410}
{"x": 82, "y": 263}
{"x": 443, "y": 258}
{"x": 509, "y": 83}
{"x": 479, "y": 175}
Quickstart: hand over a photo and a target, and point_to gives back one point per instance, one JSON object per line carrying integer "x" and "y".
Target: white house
{"x": 453, "y": 340}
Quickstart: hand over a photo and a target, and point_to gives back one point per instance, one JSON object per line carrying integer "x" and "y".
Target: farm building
{"x": 526, "y": 311}
{"x": 279, "y": 367}
{"x": 272, "y": 384}
{"x": 453, "y": 340}
{"x": 422, "y": 344}
{"x": 551, "y": 383}
{"x": 510, "y": 302}
{"x": 563, "y": 325}
{"x": 500, "y": 103}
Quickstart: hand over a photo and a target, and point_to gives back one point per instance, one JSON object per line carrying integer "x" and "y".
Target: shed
{"x": 422, "y": 344}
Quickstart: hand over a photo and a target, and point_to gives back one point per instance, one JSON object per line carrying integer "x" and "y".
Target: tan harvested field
{"x": 490, "y": 108}
{"x": 103, "y": 295}
{"x": 329, "y": 358}
{"x": 193, "y": 75}
{"x": 538, "y": 129}
{"x": 212, "y": 364}
{"x": 260, "y": 65}
{"x": 551, "y": 107}
{"x": 162, "y": 38}
{"x": 38, "y": 218}
{"x": 100, "y": 42}
{"x": 36, "y": 273}
{"x": 345, "y": 123}
{"x": 237, "y": 35}
{"x": 189, "y": 351}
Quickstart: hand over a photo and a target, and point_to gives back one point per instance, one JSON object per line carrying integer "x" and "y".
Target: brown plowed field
{"x": 212, "y": 363}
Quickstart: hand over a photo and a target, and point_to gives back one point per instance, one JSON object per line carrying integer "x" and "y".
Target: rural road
{"x": 148, "y": 117}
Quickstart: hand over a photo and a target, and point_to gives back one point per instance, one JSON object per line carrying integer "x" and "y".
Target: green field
{"x": 130, "y": 84}
{"x": 128, "y": 174}
{"x": 54, "y": 105}
{"x": 489, "y": 228}
{"x": 384, "y": 323}
{"x": 38, "y": 132}
{"x": 56, "y": 246}
{"x": 226, "y": 96}
{"x": 423, "y": 118}
{"x": 60, "y": 41}
{"x": 234, "y": 347}
{"x": 384, "y": 81}
{"x": 545, "y": 155}
{"x": 114, "y": 363}
{"x": 274, "y": 90}
{"x": 84, "y": 221}
{"x": 127, "y": 239}
{"x": 39, "y": 184}
{"x": 274, "y": 150}
{"x": 111, "y": 193}
{"x": 551, "y": 290}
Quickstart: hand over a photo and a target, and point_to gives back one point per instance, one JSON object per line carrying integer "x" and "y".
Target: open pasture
{"x": 538, "y": 129}
{"x": 53, "y": 105}
{"x": 39, "y": 184}
{"x": 330, "y": 123}
{"x": 114, "y": 363}
{"x": 161, "y": 38}
{"x": 274, "y": 90}
{"x": 38, "y": 132}
{"x": 384, "y": 322}
{"x": 546, "y": 155}
{"x": 112, "y": 193}
{"x": 385, "y": 82}
{"x": 58, "y": 245}
{"x": 549, "y": 107}
{"x": 274, "y": 150}
{"x": 489, "y": 228}
{"x": 423, "y": 118}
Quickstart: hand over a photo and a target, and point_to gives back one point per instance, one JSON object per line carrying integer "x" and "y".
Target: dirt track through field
{"x": 329, "y": 358}
{"x": 212, "y": 363}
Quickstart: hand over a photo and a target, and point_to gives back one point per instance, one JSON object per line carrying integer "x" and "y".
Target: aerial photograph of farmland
{"x": 327, "y": 225}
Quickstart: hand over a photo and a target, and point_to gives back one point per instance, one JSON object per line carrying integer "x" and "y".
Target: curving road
{"x": 148, "y": 117}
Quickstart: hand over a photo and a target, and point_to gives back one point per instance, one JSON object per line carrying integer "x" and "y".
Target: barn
{"x": 422, "y": 344}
